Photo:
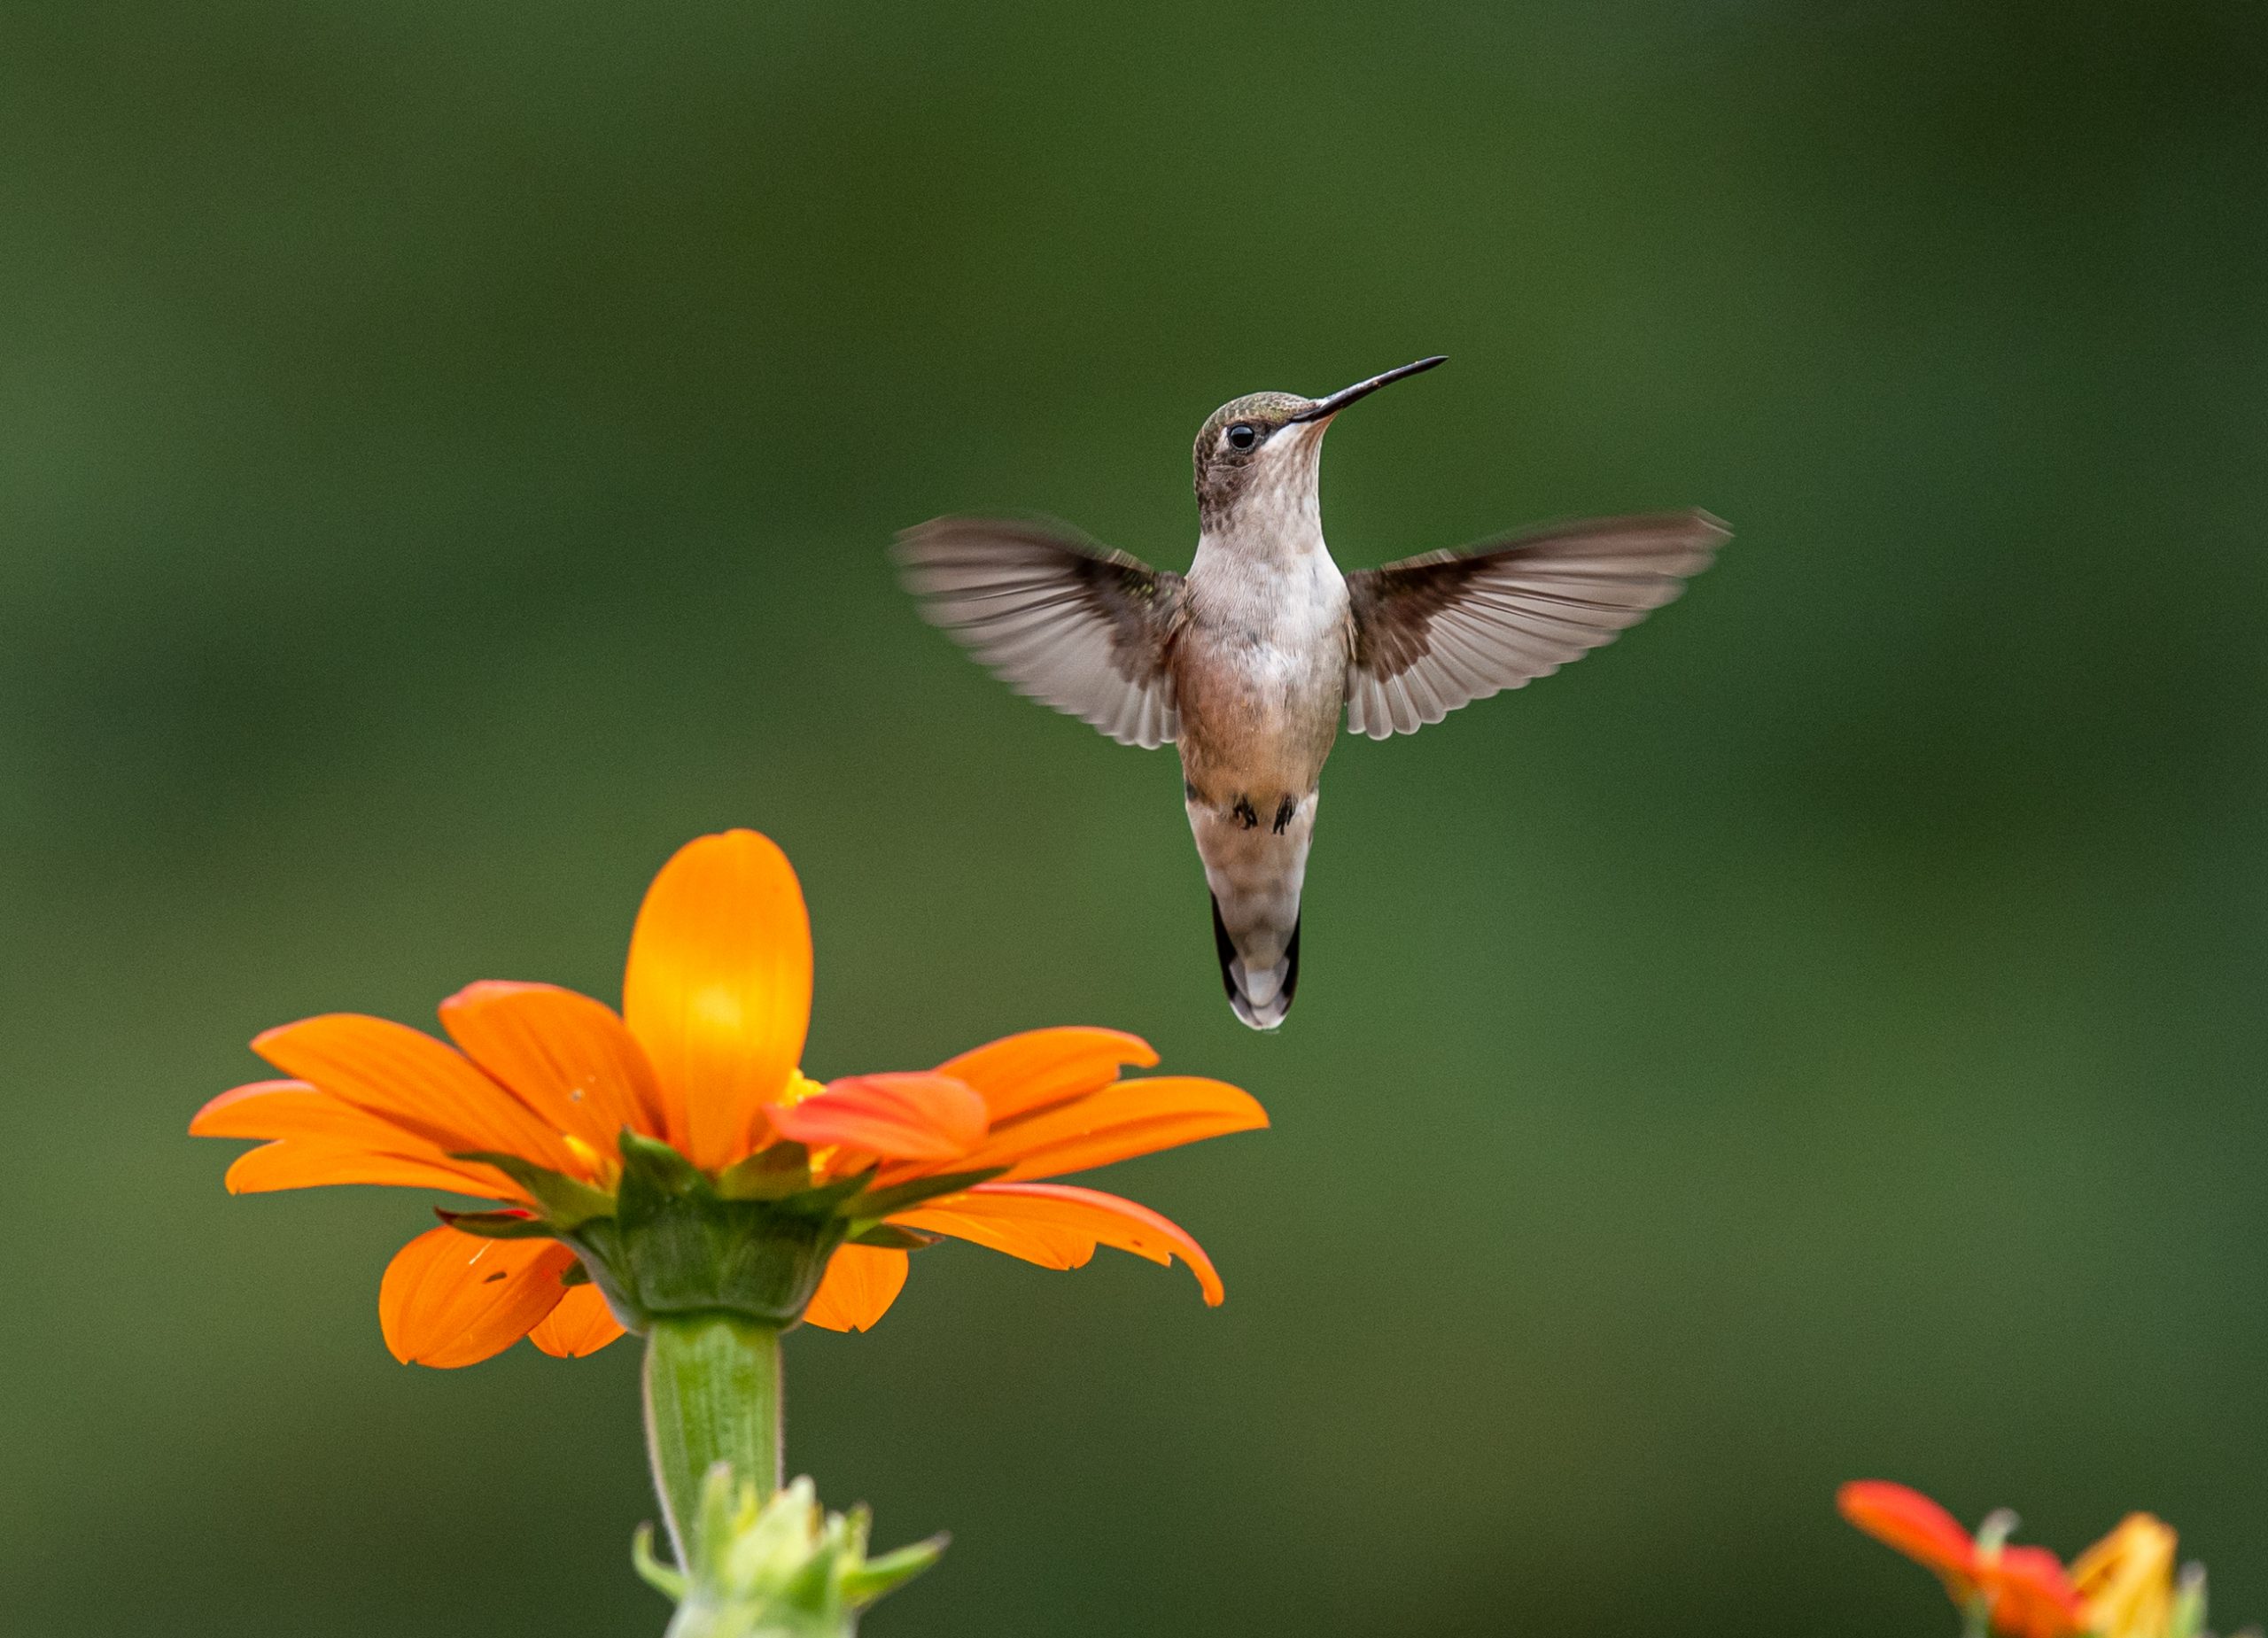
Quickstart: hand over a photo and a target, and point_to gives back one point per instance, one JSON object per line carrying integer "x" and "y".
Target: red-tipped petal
{"x": 580, "y": 1326}
{"x": 451, "y": 1299}
{"x": 860, "y": 1284}
{"x": 1021, "y": 1073}
{"x": 900, "y": 1117}
{"x": 1105, "y": 1218}
{"x": 1117, "y": 1123}
{"x": 1909, "y": 1521}
{"x": 2031, "y": 1596}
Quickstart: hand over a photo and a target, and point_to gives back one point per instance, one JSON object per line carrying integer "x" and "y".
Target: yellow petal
{"x": 2126, "y": 1580}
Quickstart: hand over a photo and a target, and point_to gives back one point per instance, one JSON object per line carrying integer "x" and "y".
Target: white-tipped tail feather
{"x": 1255, "y": 872}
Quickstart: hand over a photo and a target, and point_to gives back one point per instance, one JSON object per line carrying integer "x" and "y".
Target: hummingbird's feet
{"x": 1283, "y": 811}
{"x": 1243, "y": 814}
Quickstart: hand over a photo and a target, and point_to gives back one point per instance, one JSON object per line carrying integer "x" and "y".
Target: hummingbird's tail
{"x": 1255, "y": 871}
{"x": 1261, "y": 998}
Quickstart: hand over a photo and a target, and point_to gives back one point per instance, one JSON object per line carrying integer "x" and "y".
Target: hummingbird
{"x": 1246, "y": 661}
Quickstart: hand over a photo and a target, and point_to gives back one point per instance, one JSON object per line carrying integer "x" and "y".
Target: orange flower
{"x": 556, "y": 1108}
{"x": 2026, "y": 1592}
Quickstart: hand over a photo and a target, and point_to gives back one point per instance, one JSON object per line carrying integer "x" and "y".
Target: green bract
{"x": 670, "y": 1240}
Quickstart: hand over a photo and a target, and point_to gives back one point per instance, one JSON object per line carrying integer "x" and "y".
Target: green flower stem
{"x": 713, "y": 1394}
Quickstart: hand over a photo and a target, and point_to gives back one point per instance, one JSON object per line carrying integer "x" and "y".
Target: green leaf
{"x": 566, "y": 1202}
{"x": 889, "y": 1236}
{"x": 823, "y": 1202}
{"x": 882, "y": 1202}
{"x": 655, "y": 1179}
{"x": 871, "y": 1580}
{"x": 2188, "y": 1619}
{"x": 498, "y": 1225}
{"x": 658, "y": 1167}
{"x": 772, "y": 1174}
{"x": 668, "y": 1582}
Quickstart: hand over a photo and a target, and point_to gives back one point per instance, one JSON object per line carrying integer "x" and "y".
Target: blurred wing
{"x": 1433, "y": 632}
{"x": 1081, "y": 627}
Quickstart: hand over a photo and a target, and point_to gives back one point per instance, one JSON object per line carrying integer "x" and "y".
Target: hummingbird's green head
{"x": 1263, "y": 448}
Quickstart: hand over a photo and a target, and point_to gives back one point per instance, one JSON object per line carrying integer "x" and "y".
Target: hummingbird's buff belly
{"x": 1256, "y": 720}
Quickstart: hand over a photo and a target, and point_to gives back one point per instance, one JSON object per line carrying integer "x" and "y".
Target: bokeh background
{"x": 446, "y": 453}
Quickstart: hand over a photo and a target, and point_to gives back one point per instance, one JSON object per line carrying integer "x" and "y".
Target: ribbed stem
{"x": 713, "y": 1394}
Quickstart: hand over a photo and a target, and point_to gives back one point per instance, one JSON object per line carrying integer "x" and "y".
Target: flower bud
{"x": 784, "y": 1569}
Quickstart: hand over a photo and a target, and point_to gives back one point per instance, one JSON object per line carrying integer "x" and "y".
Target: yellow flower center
{"x": 799, "y": 1087}
{"x": 602, "y": 1168}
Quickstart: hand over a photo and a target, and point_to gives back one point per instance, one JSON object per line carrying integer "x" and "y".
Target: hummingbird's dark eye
{"x": 1243, "y": 437}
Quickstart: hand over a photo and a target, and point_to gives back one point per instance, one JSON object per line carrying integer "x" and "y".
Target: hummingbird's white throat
{"x": 1275, "y": 515}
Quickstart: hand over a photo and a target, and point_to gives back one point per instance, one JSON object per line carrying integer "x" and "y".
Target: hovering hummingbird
{"x": 1247, "y": 661}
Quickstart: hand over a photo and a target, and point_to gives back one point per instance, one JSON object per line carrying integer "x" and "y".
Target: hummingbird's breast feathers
{"x": 1260, "y": 669}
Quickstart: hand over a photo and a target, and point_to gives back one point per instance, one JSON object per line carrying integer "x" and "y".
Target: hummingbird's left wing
{"x": 1078, "y": 626}
{"x": 1433, "y": 632}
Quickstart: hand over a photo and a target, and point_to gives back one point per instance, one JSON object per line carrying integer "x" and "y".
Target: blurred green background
{"x": 447, "y": 452}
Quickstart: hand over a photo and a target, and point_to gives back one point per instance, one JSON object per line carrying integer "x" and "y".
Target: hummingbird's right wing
{"x": 1078, "y": 626}
{"x": 1433, "y": 632}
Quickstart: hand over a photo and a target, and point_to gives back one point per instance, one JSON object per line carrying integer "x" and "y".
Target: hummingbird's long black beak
{"x": 1337, "y": 401}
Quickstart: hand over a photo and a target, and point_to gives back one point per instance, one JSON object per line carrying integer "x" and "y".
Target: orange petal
{"x": 567, "y": 1056}
{"x": 1129, "y": 1118}
{"x": 294, "y": 1109}
{"x": 2031, "y": 1596}
{"x": 581, "y": 1325}
{"x": 326, "y": 1134}
{"x": 411, "y": 1080}
{"x": 1913, "y": 1525}
{"x": 1020, "y": 1073}
{"x": 860, "y": 1284}
{"x": 1105, "y": 1218}
{"x": 451, "y": 1299}
{"x": 311, "y": 1163}
{"x": 900, "y": 1117}
{"x": 718, "y": 990}
{"x": 268, "y": 1109}
{"x": 1046, "y": 1244}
